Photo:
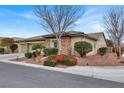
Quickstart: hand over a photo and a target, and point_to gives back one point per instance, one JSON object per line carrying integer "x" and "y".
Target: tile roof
{"x": 93, "y": 36}
{"x": 71, "y": 34}
{"x": 36, "y": 38}
{"x": 96, "y": 35}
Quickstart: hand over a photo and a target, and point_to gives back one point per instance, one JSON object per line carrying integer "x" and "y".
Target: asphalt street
{"x": 17, "y": 76}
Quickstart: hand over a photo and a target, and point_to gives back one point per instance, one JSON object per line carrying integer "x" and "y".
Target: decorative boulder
{"x": 123, "y": 55}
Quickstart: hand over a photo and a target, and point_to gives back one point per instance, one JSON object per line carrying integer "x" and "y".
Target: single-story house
{"x": 68, "y": 40}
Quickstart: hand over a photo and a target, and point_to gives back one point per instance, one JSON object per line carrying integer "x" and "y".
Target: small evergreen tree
{"x": 13, "y": 47}
{"x": 83, "y": 48}
{"x": 102, "y": 51}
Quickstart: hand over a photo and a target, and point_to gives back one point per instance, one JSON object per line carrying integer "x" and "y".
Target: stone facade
{"x": 66, "y": 45}
{"x": 47, "y": 43}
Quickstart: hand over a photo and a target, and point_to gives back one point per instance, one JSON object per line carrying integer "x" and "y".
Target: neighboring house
{"x": 6, "y": 46}
{"x": 68, "y": 40}
{"x": 17, "y": 38}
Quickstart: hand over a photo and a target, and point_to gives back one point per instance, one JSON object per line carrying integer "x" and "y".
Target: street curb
{"x": 64, "y": 70}
{"x": 32, "y": 65}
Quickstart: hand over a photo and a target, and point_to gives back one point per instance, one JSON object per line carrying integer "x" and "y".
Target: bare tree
{"x": 114, "y": 26}
{"x": 58, "y": 19}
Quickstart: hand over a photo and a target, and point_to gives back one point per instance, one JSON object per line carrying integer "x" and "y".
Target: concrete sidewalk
{"x": 112, "y": 73}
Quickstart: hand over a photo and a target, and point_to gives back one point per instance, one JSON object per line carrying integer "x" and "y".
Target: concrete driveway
{"x": 12, "y": 75}
{"x": 11, "y": 56}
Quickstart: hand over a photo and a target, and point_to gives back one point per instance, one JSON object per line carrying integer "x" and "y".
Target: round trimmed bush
{"x": 83, "y": 48}
{"x": 38, "y": 46}
{"x": 51, "y": 61}
{"x": 13, "y": 47}
{"x": 2, "y": 50}
{"x": 102, "y": 51}
{"x": 28, "y": 55}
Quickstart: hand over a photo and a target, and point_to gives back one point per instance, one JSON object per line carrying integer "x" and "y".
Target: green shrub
{"x": 117, "y": 52}
{"x": 122, "y": 49}
{"x": 28, "y": 55}
{"x": 54, "y": 60}
{"x": 83, "y": 47}
{"x": 70, "y": 60}
{"x": 102, "y": 51}
{"x": 50, "y": 51}
{"x": 34, "y": 54}
{"x": 2, "y": 50}
{"x": 51, "y": 61}
{"x": 13, "y": 47}
{"x": 113, "y": 50}
{"x": 37, "y": 46}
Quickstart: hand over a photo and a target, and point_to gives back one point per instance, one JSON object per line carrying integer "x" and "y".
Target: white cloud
{"x": 90, "y": 12}
{"x": 12, "y": 32}
{"x": 91, "y": 21}
{"x": 97, "y": 27}
{"x": 27, "y": 15}
{"x": 88, "y": 15}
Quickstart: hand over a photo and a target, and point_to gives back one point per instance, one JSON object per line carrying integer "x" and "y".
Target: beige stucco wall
{"x": 101, "y": 42}
{"x": 7, "y": 49}
{"x": 24, "y": 47}
{"x": 47, "y": 43}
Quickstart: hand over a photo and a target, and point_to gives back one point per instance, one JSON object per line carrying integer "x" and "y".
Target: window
{"x": 55, "y": 44}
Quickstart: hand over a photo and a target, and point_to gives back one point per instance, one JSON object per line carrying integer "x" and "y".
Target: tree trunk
{"x": 119, "y": 48}
{"x": 59, "y": 45}
{"x": 7, "y": 49}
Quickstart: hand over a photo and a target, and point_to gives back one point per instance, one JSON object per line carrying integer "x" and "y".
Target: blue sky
{"x": 20, "y": 21}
